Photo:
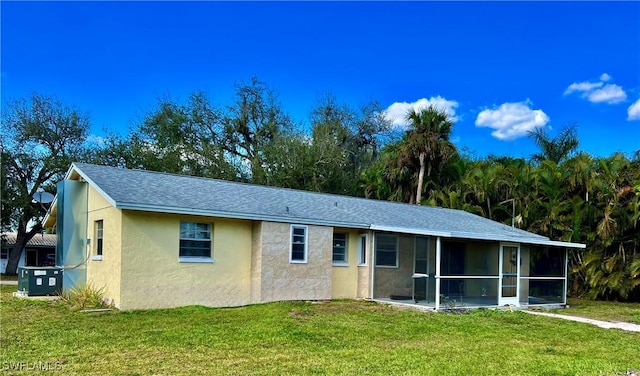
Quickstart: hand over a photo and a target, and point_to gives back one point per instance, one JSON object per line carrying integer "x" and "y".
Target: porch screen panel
{"x": 482, "y": 259}
{"x": 546, "y": 291}
{"x": 469, "y": 292}
{"x": 453, "y": 258}
{"x": 546, "y": 262}
{"x": 469, "y": 274}
{"x": 509, "y": 271}
{"x": 452, "y": 263}
{"x": 543, "y": 279}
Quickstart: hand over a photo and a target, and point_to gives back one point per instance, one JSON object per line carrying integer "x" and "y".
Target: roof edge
{"x": 85, "y": 177}
{"x": 413, "y": 231}
{"x": 95, "y": 186}
{"x": 238, "y": 215}
{"x": 469, "y": 235}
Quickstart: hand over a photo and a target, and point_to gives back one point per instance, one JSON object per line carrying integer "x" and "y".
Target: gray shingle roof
{"x": 161, "y": 192}
{"x": 39, "y": 240}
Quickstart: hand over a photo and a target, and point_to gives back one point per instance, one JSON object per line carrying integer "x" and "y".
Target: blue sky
{"x": 499, "y": 68}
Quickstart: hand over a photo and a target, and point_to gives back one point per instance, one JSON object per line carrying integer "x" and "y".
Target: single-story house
{"x": 39, "y": 251}
{"x": 155, "y": 240}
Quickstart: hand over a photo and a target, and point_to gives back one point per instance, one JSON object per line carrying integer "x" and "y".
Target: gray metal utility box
{"x": 39, "y": 281}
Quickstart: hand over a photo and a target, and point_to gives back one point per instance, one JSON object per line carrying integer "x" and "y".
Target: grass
{"x": 5, "y": 277}
{"x": 607, "y": 311}
{"x": 340, "y": 337}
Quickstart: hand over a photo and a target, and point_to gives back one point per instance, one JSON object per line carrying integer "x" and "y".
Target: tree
{"x": 428, "y": 142}
{"x": 290, "y": 162}
{"x": 611, "y": 266}
{"x": 390, "y": 176}
{"x": 344, "y": 142}
{"x": 184, "y": 138}
{"x": 556, "y": 149}
{"x": 40, "y": 138}
{"x": 250, "y": 124}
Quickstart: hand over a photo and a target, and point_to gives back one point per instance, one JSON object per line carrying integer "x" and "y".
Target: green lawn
{"x": 341, "y": 337}
{"x": 607, "y": 311}
{"x": 4, "y": 277}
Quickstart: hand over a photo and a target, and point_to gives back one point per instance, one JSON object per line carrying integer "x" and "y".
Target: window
{"x": 4, "y": 253}
{"x": 340, "y": 248}
{"x": 298, "y": 252}
{"x": 98, "y": 235}
{"x": 99, "y": 226}
{"x": 195, "y": 241}
{"x": 362, "y": 250}
{"x": 387, "y": 250}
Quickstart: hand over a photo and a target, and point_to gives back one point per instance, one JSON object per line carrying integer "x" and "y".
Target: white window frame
{"x": 99, "y": 235}
{"x": 397, "y": 251}
{"x": 363, "y": 244}
{"x": 344, "y": 262}
{"x": 306, "y": 244}
{"x": 196, "y": 259}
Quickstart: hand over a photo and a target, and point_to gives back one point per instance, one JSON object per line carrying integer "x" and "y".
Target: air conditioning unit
{"x": 39, "y": 281}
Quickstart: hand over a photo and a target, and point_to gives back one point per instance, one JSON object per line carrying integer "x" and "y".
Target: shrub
{"x": 86, "y": 297}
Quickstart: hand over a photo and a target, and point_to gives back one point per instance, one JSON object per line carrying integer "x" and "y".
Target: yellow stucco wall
{"x": 104, "y": 274}
{"x": 153, "y": 276}
{"x": 344, "y": 278}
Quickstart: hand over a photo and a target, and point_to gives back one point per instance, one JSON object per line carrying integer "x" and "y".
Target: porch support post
{"x": 566, "y": 273}
{"x": 437, "y": 277}
{"x": 372, "y": 263}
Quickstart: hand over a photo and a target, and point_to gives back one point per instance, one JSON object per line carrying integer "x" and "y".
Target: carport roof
{"x": 38, "y": 240}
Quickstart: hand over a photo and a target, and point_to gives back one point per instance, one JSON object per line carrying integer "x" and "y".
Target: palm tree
{"x": 555, "y": 149}
{"x": 611, "y": 266}
{"x": 428, "y": 142}
{"x": 390, "y": 177}
{"x": 486, "y": 183}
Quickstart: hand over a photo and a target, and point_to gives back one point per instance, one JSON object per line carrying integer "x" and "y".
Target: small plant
{"x": 451, "y": 305}
{"x": 86, "y": 297}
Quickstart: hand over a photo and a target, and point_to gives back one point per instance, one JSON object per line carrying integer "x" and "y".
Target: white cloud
{"x": 633, "y": 112}
{"x": 598, "y": 92}
{"x": 397, "y": 112}
{"x": 582, "y": 86}
{"x": 610, "y": 93}
{"x": 512, "y": 120}
{"x": 99, "y": 140}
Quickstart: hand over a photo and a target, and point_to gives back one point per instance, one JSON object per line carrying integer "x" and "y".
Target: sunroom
{"x": 445, "y": 272}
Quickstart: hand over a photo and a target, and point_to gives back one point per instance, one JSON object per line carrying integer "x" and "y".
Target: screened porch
{"x": 444, "y": 273}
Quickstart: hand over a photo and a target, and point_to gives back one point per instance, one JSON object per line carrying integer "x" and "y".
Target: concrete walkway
{"x": 4, "y": 282}
{"x": 603, "y": 324}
